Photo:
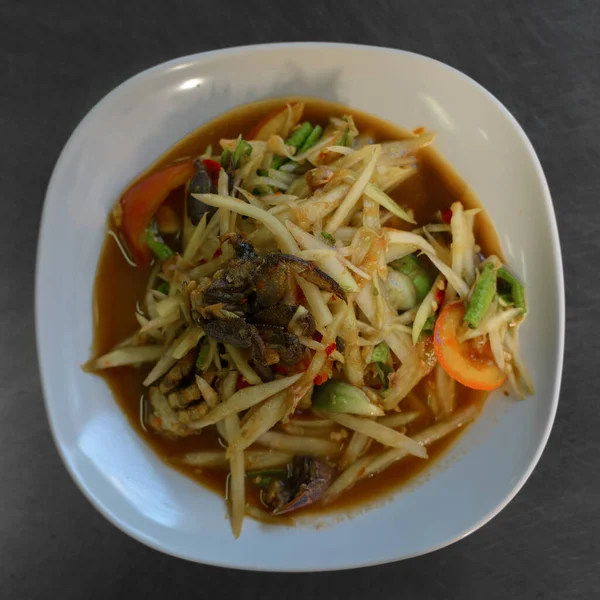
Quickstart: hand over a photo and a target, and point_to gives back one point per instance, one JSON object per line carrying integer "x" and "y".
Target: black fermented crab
{"x": 242, "y": 305}
{"x": 308, "y": 481}
{"x": 261, "y": 280}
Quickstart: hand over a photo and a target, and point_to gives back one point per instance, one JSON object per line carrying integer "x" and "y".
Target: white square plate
{"x": 134, "y": 125}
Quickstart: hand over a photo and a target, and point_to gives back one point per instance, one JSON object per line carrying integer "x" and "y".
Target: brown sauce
{"x": 118, "y": 287}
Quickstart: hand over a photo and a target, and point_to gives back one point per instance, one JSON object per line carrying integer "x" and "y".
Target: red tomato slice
{"x": 141, "y": 201}
{"x": 463, "y": 361}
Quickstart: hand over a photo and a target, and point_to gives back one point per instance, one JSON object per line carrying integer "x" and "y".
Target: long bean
{"x": 157, "y": 245}
{"x": 242, "y": 149}
{"x": 225, "y": 158}
{"x": 297, "y": 139}
{"x": 482, "y": 296}
{"x": 311, "y": 140}
{"x": 517, "y": 289}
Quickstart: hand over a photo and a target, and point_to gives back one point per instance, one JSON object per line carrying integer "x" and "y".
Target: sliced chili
{"x": 329, "y": 350}
{"x": 212, "y": 168}
{"x": 321, "y": 378}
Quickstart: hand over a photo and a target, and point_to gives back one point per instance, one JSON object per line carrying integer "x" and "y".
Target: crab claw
{"x": 310, "y": 478}
{"x": 309, "y": 271}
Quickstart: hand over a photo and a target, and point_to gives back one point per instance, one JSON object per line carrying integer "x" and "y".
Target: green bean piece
{"x": 311, "y": 140}
{"x": 517, "y": 289}
{"x": 157, "y": 245}
{"x": 225, "y": 159}
{"x": 278, "y": 161}
{"x": 297, "y": 139}
{"x": 482, "y": 296}
{"x": 411, "y": 266}
{"x": 299, "y": 135}
{"x": 329, "y": 239}
{"x": 242, "y": 149}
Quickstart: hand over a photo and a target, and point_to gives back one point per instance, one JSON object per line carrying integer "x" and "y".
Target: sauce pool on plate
{"x": 119, "y": 286}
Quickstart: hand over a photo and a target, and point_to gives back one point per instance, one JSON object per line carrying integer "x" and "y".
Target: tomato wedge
{"x": 464, "y": 362}
{"x": 141, "y": 201}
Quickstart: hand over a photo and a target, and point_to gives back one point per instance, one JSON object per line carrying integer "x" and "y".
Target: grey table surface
{"x": 541, "y": 58}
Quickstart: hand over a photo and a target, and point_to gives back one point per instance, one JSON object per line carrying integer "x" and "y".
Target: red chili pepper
{"x": 321, "y": 378}
{"x": 317, "y": 336}
{"x": 241, "y": 383}
{"x": 278, "y": 368}
{"x": 447, "y": 215}
{"x": 218, "y": 252}
{"x": 325, "y": 373}
{"x": 141, "y": 201}
{"x": 439, "y": 297}
{"x": 212, "y": 168}
{"x": 330, "y": 349}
